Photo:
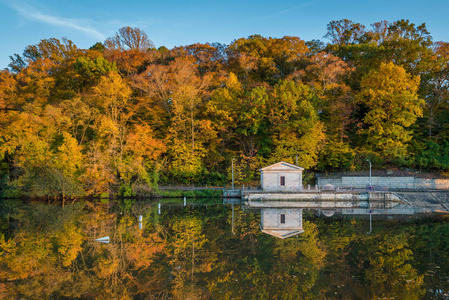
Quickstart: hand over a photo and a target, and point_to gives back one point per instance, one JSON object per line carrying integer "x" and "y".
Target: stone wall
{"x": 390, "y": 182}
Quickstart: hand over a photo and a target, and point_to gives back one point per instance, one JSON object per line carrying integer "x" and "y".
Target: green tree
{"x": 90, "y": 71}
{"x": 296, "y": 128}
{"x": 435, "y": 89}
{"x": 390, "y": 94}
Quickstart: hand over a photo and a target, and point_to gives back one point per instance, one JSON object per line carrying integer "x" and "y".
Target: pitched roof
{"x": 281, "y": 166}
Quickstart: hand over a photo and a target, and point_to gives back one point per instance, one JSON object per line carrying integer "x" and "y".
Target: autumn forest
{"x": 123, "y": 117}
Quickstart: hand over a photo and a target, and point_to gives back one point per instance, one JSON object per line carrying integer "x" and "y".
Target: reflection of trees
{"x": 192, "y": 254}
{"x": 48, "y": 252}
{"x": 246, "y": 229}
{"x": 52, "y": 253}
{"x": 46, "y": 243}
{"x": 430, "y": 244}
{"x": 369, "y": 266}
{"x": 388, "y": 269}
{"x": 187, "y": 238}
{"x": 284, "y": 269}
{"x": 297, "y": 264}
{"x": 123, "y": 267}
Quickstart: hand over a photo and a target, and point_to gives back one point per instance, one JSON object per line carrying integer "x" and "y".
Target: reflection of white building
{"x": 281, "y": 176}
{"x": 281, "y": 222}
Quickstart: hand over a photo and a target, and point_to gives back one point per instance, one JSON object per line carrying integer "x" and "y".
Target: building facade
{"x": 280, "y": 177}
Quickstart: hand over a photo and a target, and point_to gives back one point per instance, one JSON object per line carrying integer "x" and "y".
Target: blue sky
{"x": 175, "y": 23}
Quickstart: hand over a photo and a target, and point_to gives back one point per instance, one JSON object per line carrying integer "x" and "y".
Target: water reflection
{"x": 207, "y": 250}
{"x": 281, "y": 222}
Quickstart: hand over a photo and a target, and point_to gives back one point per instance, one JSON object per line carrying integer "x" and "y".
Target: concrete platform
{"x": 422, "y": 201}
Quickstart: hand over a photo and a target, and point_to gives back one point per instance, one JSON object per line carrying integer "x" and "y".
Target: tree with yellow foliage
{"x": 391, "y": 96}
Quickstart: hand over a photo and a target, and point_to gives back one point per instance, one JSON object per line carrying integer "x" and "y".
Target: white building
{"x": 281, "y": 222}
{"x": 280, "y": 177}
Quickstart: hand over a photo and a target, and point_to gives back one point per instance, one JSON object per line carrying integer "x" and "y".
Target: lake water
{"x": 211, "y": 250}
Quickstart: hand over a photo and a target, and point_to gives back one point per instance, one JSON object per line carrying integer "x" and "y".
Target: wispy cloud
{"x": 31, "y": 13}
{"x": 285, "y": 11}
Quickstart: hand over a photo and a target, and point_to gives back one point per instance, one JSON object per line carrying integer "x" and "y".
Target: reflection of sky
{"x": 174, "y": 23}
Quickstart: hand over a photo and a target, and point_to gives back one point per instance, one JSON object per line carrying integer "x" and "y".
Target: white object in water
{"x": 103, "y": 240}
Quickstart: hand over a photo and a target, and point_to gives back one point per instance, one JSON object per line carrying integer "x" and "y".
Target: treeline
{"x": 123, "y": 116}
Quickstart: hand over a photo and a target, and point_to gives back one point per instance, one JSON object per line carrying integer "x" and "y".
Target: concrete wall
{"x": 271, "y": 217}
{"x": 405, "y": 182}
{"x": 271, "y": 180}
{"x": 324, "y": 200}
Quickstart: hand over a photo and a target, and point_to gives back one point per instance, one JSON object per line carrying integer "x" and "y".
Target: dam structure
{"x": 351, "y": 202}
{"x": 324, "y": 199}
{"x": 281, "y": 186}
